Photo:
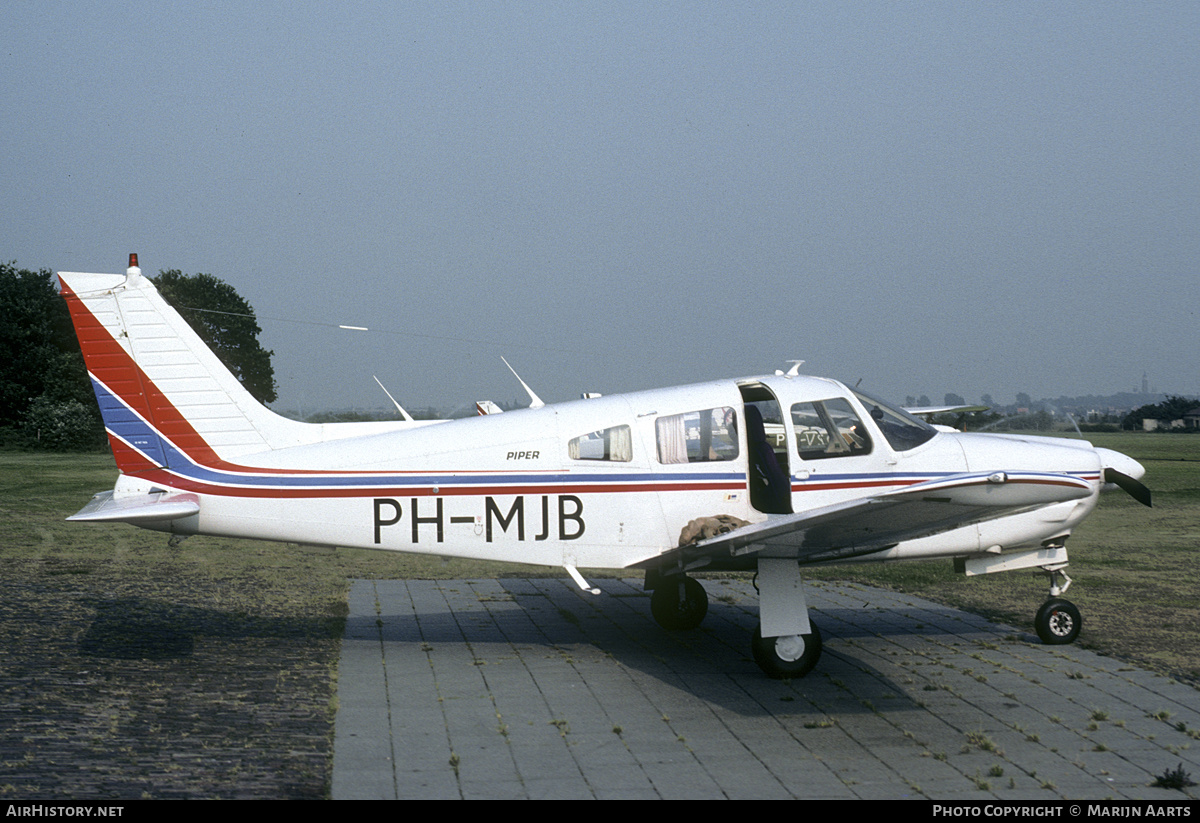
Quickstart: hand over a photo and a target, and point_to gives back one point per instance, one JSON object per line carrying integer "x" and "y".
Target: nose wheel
{"x": 1058, "y": 622}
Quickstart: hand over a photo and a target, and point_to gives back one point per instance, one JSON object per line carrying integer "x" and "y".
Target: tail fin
{"x": 165, "y": 398}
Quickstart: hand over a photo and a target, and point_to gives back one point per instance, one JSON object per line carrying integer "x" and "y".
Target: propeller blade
{"x": 1136, "y": 489}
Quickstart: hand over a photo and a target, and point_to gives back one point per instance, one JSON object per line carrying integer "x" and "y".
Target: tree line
{"x": 46, "y": 399}
{"x": 1173, "y": 408}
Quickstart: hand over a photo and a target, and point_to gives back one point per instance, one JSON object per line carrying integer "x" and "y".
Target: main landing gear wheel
{"x": 786, "y": 658}
{"x": 1058, "y": 622}
{"x": 679, "y": 603}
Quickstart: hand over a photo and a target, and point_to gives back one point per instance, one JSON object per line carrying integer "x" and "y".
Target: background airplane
{"x": 766, "y": 473}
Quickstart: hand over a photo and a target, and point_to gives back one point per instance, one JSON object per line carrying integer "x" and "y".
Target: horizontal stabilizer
{"x": 156, "y": 506}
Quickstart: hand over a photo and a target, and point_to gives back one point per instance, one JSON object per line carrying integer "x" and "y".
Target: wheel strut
{"x": 1059, "y": 581}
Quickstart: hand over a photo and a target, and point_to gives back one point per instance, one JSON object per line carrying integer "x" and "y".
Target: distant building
{"x": 1190, "y": 420}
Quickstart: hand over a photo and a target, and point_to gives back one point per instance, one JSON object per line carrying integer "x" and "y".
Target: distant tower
{"x": 1145, "y": 385}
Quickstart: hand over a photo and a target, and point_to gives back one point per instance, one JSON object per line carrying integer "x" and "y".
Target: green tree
{"x": 41, "y": 369}
{"x": 1173, "y": 408}
{"x": 225, "y": 321}
{"x": 66, "y": 425}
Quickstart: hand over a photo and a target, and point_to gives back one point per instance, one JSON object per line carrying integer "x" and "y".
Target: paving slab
{"x": 529, "y": 688}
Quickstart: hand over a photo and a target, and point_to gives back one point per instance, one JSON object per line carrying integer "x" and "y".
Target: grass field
{"x": 211, "y": 668}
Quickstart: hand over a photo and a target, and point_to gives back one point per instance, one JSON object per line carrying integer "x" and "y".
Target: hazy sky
{"x": 932, "y": 197}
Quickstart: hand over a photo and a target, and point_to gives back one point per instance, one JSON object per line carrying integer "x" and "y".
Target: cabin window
{"x": 697, "y": 437}
{"x": 612, "y": 444}
{"x": 828, "y": 428}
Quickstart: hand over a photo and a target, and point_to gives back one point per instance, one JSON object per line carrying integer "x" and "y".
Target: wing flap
{"x": 156, "y": 506}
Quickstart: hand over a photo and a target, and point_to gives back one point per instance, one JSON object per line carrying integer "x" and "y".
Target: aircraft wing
{"x": 871, "y": 524}
{"x": 927, "y": 411}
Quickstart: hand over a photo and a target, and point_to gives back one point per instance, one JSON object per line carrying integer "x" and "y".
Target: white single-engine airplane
{"x": 768, "y": 473}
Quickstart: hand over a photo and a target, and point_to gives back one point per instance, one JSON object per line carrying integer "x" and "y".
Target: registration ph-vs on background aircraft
{"x": 768, "y": 473}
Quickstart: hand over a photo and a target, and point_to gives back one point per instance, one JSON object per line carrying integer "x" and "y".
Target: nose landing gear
{"x": 1058, "y": 621}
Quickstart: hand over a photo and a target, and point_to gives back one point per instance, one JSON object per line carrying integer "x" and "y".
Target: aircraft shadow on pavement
{"x": 138, "y": 628}
{"x": 597, "y": 637}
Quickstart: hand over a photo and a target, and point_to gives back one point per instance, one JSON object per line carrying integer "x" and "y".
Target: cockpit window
{"x": 614, "y": 444}
{"x": 902, "y": 430}
{"x": 697, "y": 437}
{"x": 828, "y": 428}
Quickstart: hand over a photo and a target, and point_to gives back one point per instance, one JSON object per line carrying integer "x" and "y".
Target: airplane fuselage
{"x": 509, "y": 487}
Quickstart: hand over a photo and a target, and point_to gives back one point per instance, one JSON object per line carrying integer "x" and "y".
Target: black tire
{"x": 676, "y": 611}
{"x": 783, "y": 658}
{"x": 1058, "y": 622}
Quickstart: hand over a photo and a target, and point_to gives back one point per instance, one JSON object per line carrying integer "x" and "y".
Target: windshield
{"x": 902, "y": 430}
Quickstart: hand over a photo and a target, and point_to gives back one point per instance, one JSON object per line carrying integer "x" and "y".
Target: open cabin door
{"x": 768, "y": 477}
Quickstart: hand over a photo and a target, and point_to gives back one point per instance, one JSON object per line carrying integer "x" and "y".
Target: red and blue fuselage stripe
{"x": 164, "y": 462}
